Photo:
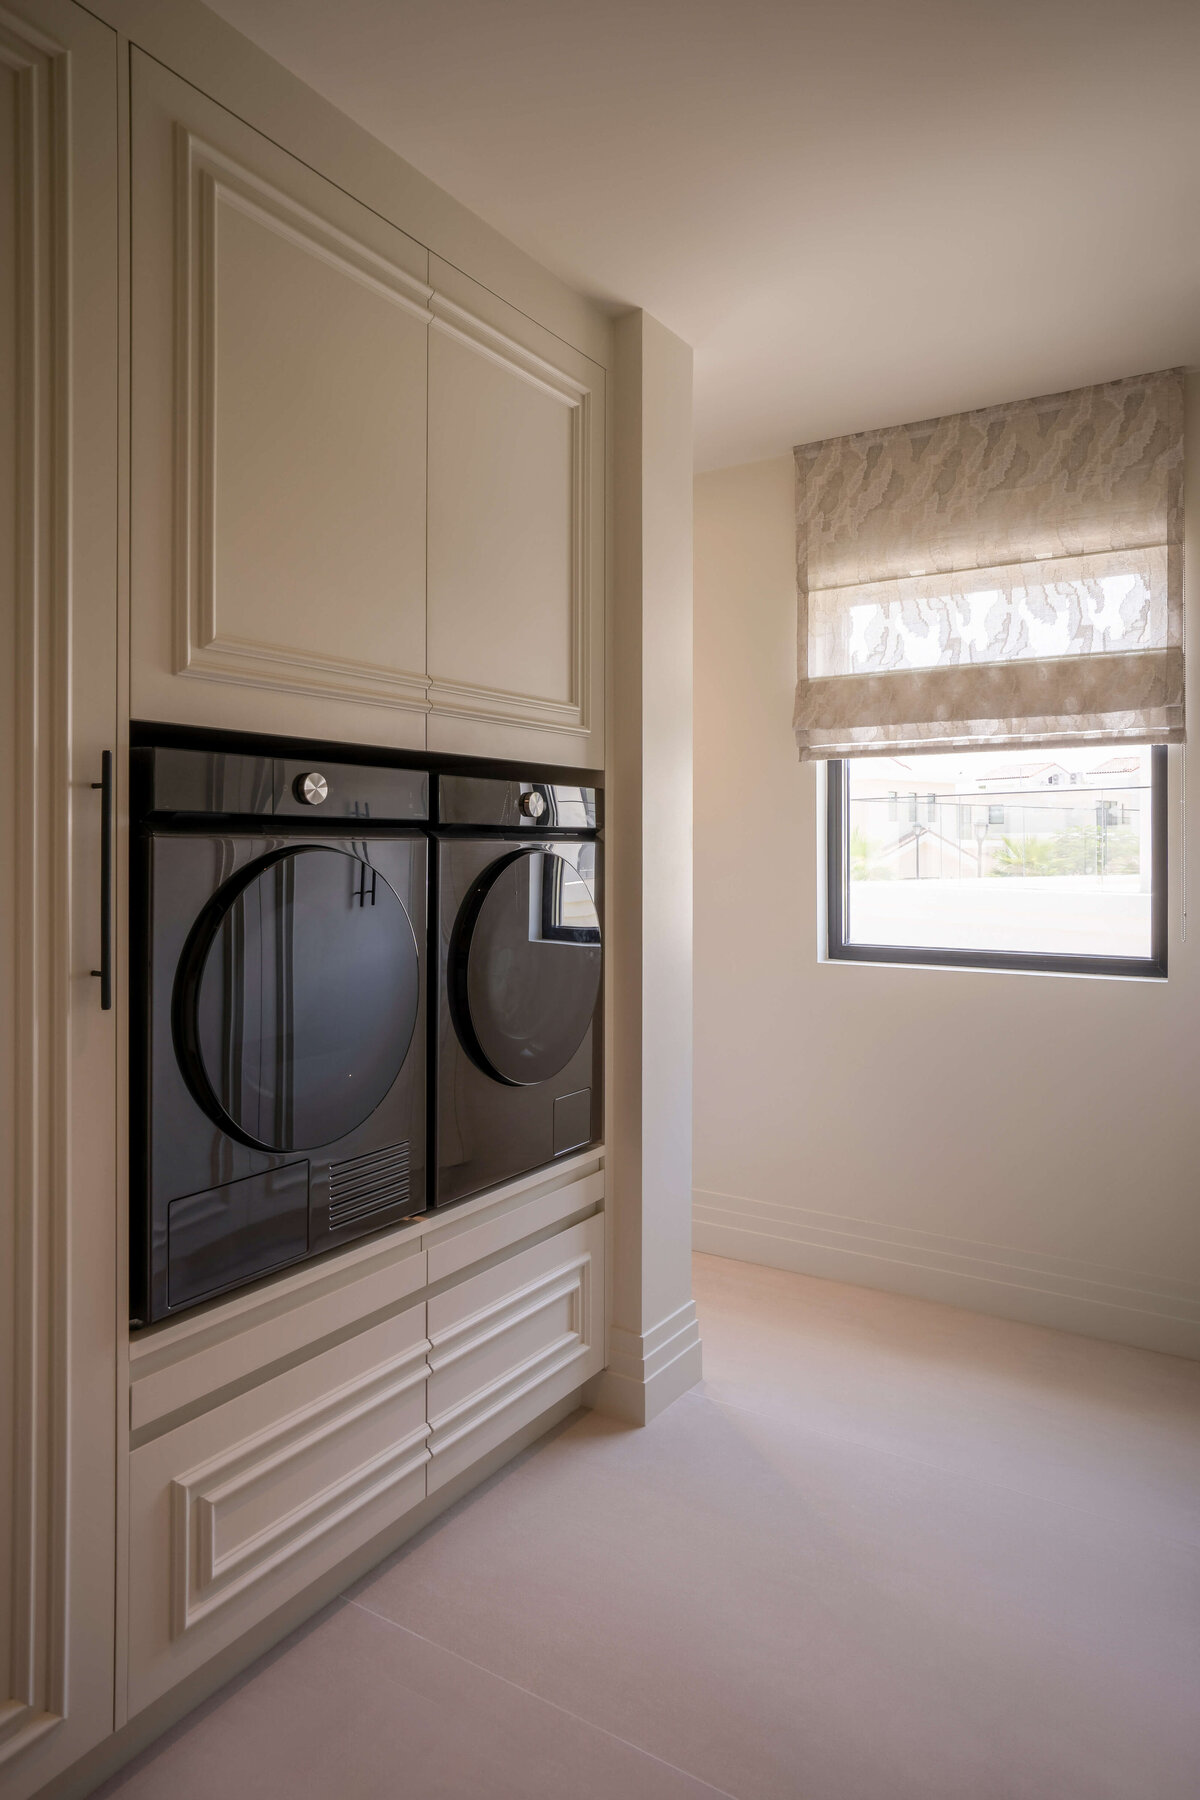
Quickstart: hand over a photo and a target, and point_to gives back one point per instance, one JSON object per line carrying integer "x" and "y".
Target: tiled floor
{"x": 888, "y": 1551}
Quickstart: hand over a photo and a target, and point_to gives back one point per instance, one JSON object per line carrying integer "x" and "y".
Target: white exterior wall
{"x": 1022, "y": 1144}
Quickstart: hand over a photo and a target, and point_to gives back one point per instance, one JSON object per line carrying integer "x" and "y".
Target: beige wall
{"x": 1024, "y": 1144}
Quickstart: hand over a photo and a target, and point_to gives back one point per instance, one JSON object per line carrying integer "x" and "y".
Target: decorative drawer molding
{"x": 188, "y": 1366}
{"x": 238, "y": 1511}
{"x": 202, "y": 1358}
{"x": 208, "y": 644}
{"x": 301, "y": 1476}
{"x": 353, "y": 1409}
{"x": 487, "y": 1233}
{"x": 568, "y": 1284}
{"x": 511, "y": 1341}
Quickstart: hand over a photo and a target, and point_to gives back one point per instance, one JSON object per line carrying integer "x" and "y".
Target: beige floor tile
{"x": 1096, "y": 1425}
{"x": 889, "y": 1551}
{"x": 356, "y": 1709}
{"x": 788, "y": 1614}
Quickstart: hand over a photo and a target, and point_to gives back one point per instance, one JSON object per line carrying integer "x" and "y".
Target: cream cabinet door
{"x": 58, "y": 1047}
{"x": 516, "y": 533}
{"x": 279, "y": 333}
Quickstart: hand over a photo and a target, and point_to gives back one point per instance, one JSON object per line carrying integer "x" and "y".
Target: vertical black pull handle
{"x": 105, "y": 784}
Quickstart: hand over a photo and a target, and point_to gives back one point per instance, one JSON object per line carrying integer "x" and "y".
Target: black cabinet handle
{"x": 105, "y": 784}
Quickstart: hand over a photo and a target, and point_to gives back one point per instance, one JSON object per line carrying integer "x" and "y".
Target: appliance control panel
{"x": 312, "y": 788}
{"x": 208, "y": 783}
{"x": 490, "y": 804}
{"x": 331, "y": 790}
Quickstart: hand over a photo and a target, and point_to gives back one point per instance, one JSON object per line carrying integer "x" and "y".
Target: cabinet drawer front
{"x": 233, "y": 1513}
{"x": 510, "y": 1342}
{"x": 185, "y": 1368}
{"x": 465, "y": 1241}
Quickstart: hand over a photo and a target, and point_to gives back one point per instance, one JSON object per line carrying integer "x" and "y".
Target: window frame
{"x": 553, "y": 871}
{"x": 837, "y": 863}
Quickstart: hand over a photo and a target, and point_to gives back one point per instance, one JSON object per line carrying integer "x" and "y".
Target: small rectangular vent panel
{"x": 367, "y": 1185}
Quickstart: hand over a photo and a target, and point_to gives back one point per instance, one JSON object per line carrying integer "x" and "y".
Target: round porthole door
{"x": 525, "y": 963}
{"x": 296, "y": 998}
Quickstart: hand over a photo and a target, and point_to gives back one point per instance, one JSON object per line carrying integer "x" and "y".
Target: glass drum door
{"x": 525, "y": 963}
{"x": 296, "y": 998}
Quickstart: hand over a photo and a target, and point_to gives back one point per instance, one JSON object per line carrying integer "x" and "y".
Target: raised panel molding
{"x": 512, "y": 1371}
{"x": 33, "y": 1292}
{"x": 211, "y": 1565}
{"x": 202, "y": 1359}
{"x": 472, "y": 701}
{"x": 207, "y": 645}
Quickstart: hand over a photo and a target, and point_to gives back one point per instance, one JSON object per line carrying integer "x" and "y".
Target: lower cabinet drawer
{"x": 236, "y": 1511}
{"x": 510, "y": 1342}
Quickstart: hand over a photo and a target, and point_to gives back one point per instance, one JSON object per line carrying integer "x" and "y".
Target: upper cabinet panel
{"x": 279, "y": 423}
{"x": 504, "y": 601}
{"x": 516, "y": 533}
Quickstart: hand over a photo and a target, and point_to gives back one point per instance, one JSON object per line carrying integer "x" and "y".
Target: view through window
{"x": 1014, "y": 854}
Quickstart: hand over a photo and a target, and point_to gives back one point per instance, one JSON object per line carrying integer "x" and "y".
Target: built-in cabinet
{"x": 278, "y": 1432}
{"x": 367, "y": 494}
{"x": 516, "y": 541}
{"x": 59, "y": 545}
{"x": 278, "y": 433}
{"x": 267, "y": 464}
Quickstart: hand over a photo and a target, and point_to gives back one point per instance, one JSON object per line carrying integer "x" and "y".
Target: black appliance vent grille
{"x": 368, "y": 1184}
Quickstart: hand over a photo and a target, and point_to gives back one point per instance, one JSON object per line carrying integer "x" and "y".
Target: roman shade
{"x": 1011, "y": 575}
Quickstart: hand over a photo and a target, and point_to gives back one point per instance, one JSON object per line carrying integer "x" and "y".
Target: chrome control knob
{"x": 533, "y": 804}
{"x": 311, "y": 789}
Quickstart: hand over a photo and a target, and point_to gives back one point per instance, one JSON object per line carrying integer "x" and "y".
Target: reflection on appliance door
{"x": 525, "y": 964}
{"x": 296, "y": 998}
{"x": 519, "y": 1042}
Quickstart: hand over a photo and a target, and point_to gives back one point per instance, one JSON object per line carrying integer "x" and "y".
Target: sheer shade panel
{"x": 1012, "y": 575}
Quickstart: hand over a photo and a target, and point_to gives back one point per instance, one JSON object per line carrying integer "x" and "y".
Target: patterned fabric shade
{"x": 1012, "y": 574}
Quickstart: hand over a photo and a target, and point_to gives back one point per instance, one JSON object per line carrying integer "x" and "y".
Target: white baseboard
{"x": 1151, "y": 1312}
{"x": 646, "y": 1373}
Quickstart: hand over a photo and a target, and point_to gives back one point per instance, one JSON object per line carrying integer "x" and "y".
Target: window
{"x": 1015, "y": 862}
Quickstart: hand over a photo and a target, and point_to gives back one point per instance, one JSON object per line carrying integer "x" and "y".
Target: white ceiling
{"x": 858, "y": 212}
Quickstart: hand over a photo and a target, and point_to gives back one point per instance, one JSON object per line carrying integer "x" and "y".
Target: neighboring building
{"x": 1118, "y": 771}
{"x": 1028, "y": 775}
{"x": 942, "y": 814}
{"x": 924, "y": 854}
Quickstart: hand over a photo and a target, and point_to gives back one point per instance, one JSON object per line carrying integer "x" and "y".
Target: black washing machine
{"x": 519, "y": 1056}
{"x": 280, "y": 1036}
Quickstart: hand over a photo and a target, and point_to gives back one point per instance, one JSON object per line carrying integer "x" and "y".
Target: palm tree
{"x": 864, "y": 865}
{"x": 1032, "y": 856}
